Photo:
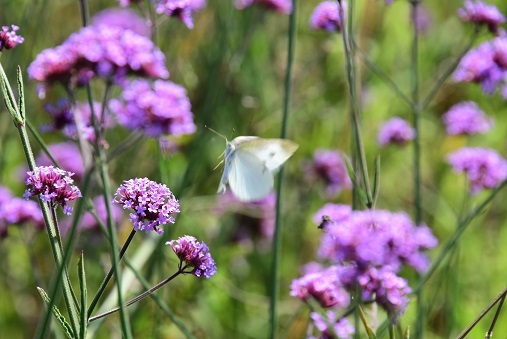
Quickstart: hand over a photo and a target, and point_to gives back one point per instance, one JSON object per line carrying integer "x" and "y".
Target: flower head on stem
{"x": 9, "y": 38}
{"x": 54, "y": 185}
{"x": 153, "y": 203}
{"x": 194, "y": 254}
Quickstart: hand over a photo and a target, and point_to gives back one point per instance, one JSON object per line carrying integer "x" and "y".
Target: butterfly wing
{"x": 248, "y": 177}
{"x": 272, "y": 153}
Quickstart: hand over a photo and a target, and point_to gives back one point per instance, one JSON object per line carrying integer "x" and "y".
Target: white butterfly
{"x": 250, "y": 163}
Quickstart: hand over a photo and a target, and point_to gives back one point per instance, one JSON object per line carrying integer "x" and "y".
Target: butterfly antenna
{"x": 220, "y": 163}
{"x": 220, "y": 135}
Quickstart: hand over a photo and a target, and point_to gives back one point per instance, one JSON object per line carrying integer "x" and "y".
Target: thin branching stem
{"x": 142, "y": 295}
{"x": 500, "y": 297}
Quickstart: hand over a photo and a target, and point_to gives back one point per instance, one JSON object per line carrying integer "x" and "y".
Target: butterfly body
{"x": 250, "y": 163}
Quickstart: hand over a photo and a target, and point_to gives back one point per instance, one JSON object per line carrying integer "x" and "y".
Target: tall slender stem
{"x": 416, "y": 112}
{"x": 357, "y": 148}
{"x": 277, "y": 238}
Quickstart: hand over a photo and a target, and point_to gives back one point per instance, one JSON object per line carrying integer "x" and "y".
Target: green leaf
{"x": 376, "y": 180}
{"x": 21, "y": 91}
{"x": 353, "y": 179}
{"x": 84, "y": 296}
{"x": 61, "y": 319}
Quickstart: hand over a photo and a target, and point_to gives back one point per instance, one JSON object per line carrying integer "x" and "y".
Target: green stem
{"x": 277, "y": 238}
{"x": 113, "y": 242}
{"x": 66, "y": 255}
{"x": 104, "y": 283}
{"x": 357, "y": 139}
{"x": 449, "y": 70}
{"x": 142, "y": 295}
{"x": 53, "y": 238}
{"x": 459, "y": 230}
{"x": 416, "y": 112}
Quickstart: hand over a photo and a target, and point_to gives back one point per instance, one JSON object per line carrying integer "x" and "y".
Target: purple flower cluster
{"x": 486, "y": 65}
{"x": 329, "y": 166}
{"x": 9, "y": 38}
{"x": 466, "y": 118}
{"x": 377, "y": 238}
{"x": 253, "y": 220}
{"x": 395, "y": 131}
{"x": 159, "y": 108}
{"x": 484, "y": 167}
{"x": 280, "y": 6}
{"x": 18, "y": 211}
{"x": 326, "y": 16}
{"x": 331, "y": 213}
{"x": 194, "y": 254}
{"x": 341, "y": 327}
{"x": 153, "y": 203}
{"x": 324, "y": 286}
{"x": 110, "y": 52}
{"x": 181, "y": 9}
{"x": 366, "y": 249}
{"x": 124, "y": 18}
{"x": 67, "y": 155}
{"x": 389, "y": 290}
{"x": 63, "y": 119}
{"x": 53, "y": 185}
{"x": 481, "y": 13}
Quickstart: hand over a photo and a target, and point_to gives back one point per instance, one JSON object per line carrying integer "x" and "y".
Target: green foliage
{"x": 232, "y": 65}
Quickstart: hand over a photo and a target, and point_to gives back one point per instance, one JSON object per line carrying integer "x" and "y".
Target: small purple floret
{"x": 181, "y": 9}
{"x": 395, "y": 131}
{"x": 466, "y": 118}
{"x": 9, "y": 38}
{"x": 156, "y": 109}
{"x": 153, "y": 204}
{"x": 53, "y": 185}
{"x": 326, "y": 16}
{"x": 484, "y": 167}
{"x": 481, "y": 13}
{"x": 194, "y": 254}
{"x": 329, "y": 166}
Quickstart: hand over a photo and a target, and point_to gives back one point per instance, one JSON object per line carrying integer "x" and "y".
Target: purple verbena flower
{"x": 124, "y": 18}
{"x": 395, "y": 131}
{"x": 341, "y": 327}
{"x": 153, "y": 204}
{"x": 329, "y": 166}
{"x": 104, "y": 51}
{"x": 326, "y": 16}
{"x": 331, "y": 213}
{"x": 63, "y": 119}
{"x": 18, "y": 211}
{"x": 389, "y": 290}
{"x": 9, "y": 38}
{"x": 181, "y": 9}
{"x": 53, "y": 185}
{"x": 481, "y": 13}
{"x": 486, "y": 65}
{"x": 466, "y": 118}
{"x": 324, "y": 286}
{"x": 159, "y": 108}
{"x": 377, "y": 238}
{"x": 484, "y": 167}
{"x": 280, "y": 6}
{"x": 194, "y": 254}
{"x": 67, "y": 155}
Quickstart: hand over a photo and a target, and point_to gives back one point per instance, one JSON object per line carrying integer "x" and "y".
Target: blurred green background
{"x": 233, "y": 65}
